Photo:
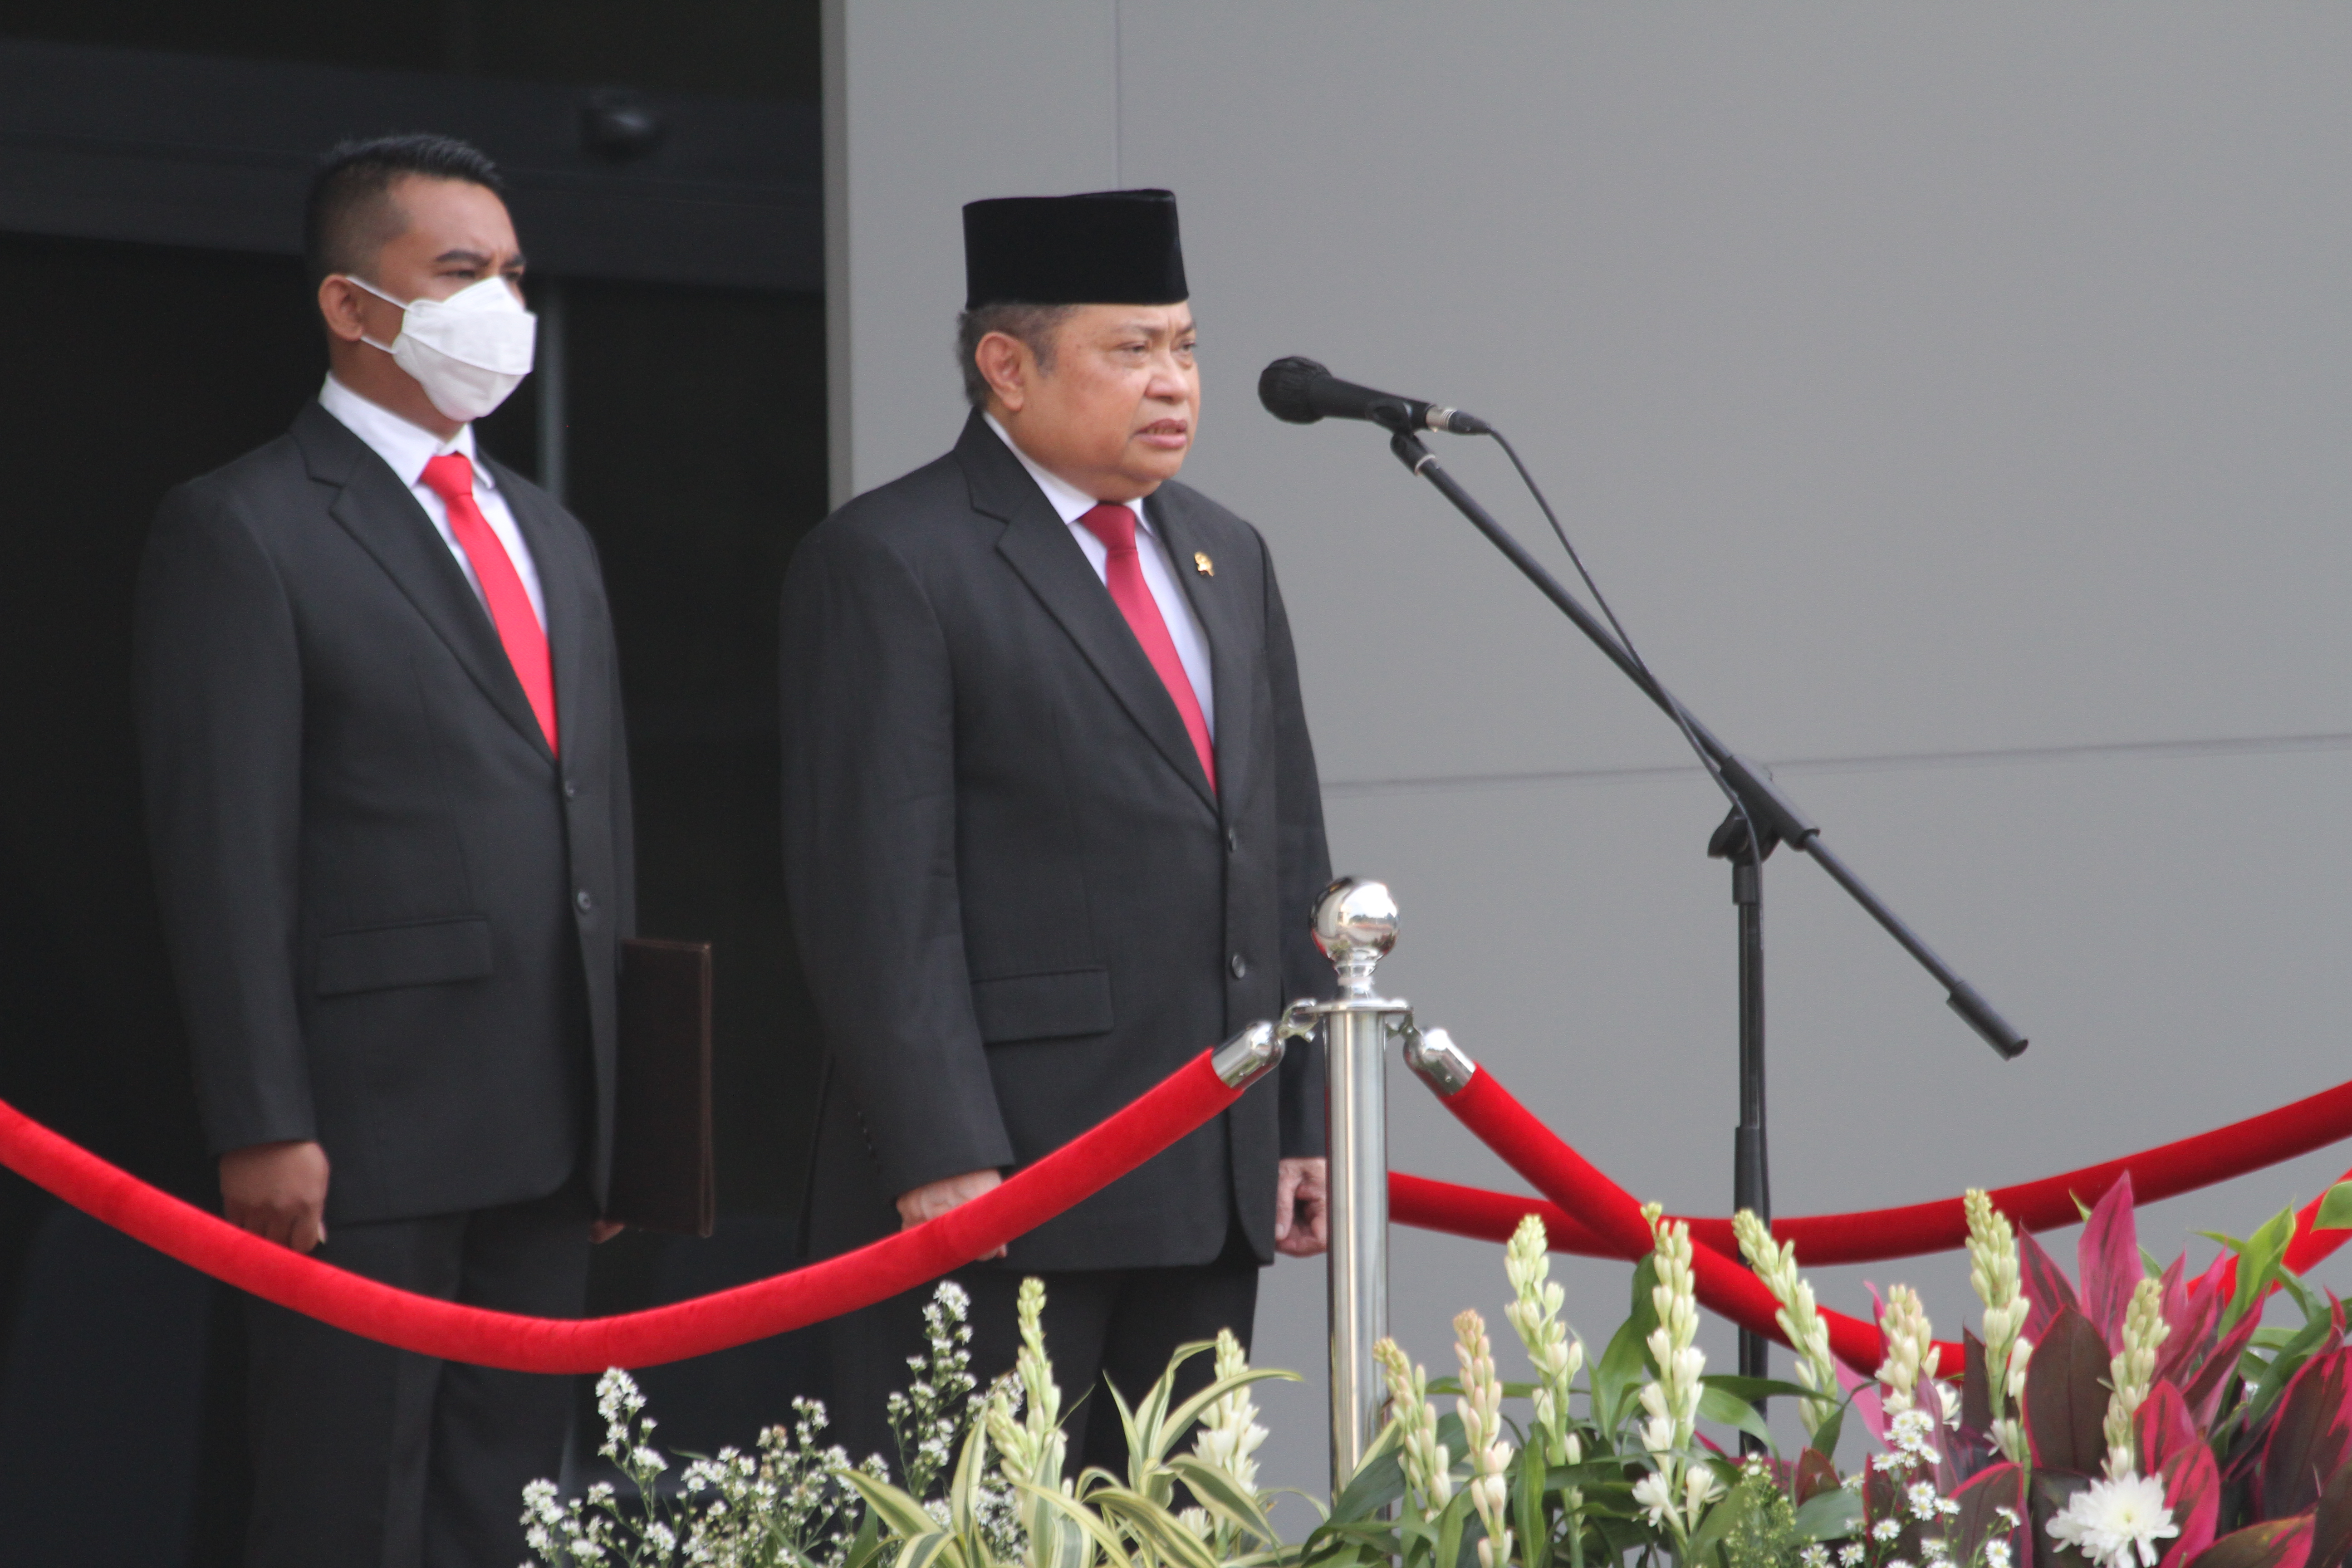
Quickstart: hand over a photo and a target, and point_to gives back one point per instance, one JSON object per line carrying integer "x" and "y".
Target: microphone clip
{"x": 1409, "y": 449}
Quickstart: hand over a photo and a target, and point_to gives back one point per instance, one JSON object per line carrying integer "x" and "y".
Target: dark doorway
{"x": 691, "y": 416}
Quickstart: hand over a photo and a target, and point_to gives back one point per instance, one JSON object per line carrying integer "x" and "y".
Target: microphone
{"x": 1303, "y": 392}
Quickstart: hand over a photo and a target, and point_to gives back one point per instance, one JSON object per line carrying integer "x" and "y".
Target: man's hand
{"x": 934, "y": 1199}
{"x": 1302, "y": 1208}
{"x": 277, "y": 1191}
{"x": 601, "y": 1231}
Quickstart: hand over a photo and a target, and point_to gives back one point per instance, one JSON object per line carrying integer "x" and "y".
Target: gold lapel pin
{"x": 1203, "y": 564}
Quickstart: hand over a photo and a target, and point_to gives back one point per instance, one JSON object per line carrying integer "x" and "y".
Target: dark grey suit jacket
{"x": 1018, "y": 902}
{"x": 393, "y": 915}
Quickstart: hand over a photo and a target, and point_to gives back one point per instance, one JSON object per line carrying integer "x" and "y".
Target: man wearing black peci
{"x": 1053, "y": 825}
{"x": 388, "y": 794}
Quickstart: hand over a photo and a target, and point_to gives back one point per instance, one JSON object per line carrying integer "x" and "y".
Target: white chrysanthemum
{"x": 2115, "y": 1520}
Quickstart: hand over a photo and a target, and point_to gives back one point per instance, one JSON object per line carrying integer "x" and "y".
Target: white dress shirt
{"x": 407, "y": 448}
{"x": 1158, "y": 574}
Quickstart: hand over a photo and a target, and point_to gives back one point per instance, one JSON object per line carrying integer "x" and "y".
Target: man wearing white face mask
{"x": 388, "y": 797}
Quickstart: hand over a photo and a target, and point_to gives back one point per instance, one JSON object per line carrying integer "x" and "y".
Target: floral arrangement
{"x": 2127, "y": 1417}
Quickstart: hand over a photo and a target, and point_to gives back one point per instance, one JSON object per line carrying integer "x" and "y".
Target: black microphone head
{"x": 1283, "y": 388}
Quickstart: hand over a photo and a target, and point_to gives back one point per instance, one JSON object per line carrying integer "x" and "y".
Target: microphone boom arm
{"x": 1772, "y": 812}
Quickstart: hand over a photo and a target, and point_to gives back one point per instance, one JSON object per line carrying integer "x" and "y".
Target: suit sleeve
{"x": 870, "y": 856}
{"x": 623, "y": 793}
{"x": 1302, "y": 872}
{"x": 219, "y": 693}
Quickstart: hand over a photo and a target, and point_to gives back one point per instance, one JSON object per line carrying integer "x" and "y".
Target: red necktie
{"x": 1123, "y": 573}
{"x": 451, "y": 477}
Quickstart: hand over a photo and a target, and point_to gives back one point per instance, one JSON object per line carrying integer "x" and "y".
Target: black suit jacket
{"x": 392, "y": 913}
{"x": 1018, "y": 902}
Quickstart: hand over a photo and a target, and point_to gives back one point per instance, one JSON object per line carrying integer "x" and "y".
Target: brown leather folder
{"x": 662, "y": 1165}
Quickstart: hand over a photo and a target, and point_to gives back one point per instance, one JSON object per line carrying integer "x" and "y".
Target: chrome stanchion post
{"x": 1355, "y": 925}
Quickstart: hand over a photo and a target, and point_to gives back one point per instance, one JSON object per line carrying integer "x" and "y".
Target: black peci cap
{"x": 1107, "y": 248}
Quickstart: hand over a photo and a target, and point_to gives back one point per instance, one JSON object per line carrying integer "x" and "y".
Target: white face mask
{"x": 467, "y": 351}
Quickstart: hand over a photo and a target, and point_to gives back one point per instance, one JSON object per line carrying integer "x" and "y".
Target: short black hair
{"x": 1035, "y": 325}
{"x": 349, "y": 214}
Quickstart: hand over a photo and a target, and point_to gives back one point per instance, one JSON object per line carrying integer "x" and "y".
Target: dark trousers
{"x": 366, "y": 1456}
{"x": 1119, "y": 1324}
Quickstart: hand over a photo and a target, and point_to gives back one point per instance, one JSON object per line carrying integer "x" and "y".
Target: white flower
{"x": 1852, "y": 1556}
{"x": 1481, "y": 1410}
{"x": 1911, "y": 1353}
{"x": 2113, "y": 1520}
{"x": 1923, "y": 1499}
{"x": 1885, "y": 1529}
{"x": 1908, "y": 1433}
{"x": 2133, "y": 1371}
{"x": 1996, "y": 1552}
{"x": 1814, "y": 1556}
{"x": 1656, "y": 1496}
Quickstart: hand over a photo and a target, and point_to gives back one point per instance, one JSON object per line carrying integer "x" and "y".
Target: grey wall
{"x": 1953, "y": 401}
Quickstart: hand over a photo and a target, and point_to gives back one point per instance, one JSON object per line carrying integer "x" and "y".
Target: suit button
{"x": 1233, "y": 842}
{"x": 1240, "y": 967}
{"x": 571, "y": 790}
{"x": 582, "y": 898}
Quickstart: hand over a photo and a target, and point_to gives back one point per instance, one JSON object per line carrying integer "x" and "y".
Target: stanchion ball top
{"x": 1353, "y": 917}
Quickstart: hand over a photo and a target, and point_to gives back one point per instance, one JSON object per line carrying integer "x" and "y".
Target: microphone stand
{"x": 1776, "y": 820}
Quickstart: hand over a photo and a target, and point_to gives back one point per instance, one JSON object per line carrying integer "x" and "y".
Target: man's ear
{"x": 339, "y": 306}
{"x": 1006, "y": 364}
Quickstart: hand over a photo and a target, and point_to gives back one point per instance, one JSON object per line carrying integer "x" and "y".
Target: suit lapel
{"x": 376, "y": 509}
{"x": 1037, "y": 544}
{"x": 1223, "y": 622}
{"x": 566, "y": 607}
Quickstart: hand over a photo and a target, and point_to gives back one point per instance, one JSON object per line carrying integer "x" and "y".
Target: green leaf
{"x": 1527, "y": 1498}
{"x": 1719, "y": 1523}
{"x": 1625, "y": 1364}
{"x": 1378, "y": 1481}
{"x": 1722, "y": 1406}
{"x": 1344, "y": 1546}
{"x": 1161, "y": 1529}
{"x": 2334, "y": 1209}
{"x": 1832, "y": 1515}
{"x": 1833, "y": 1427}
{"x": 1186, "y": 1414}
{"x": 933, "y": 1547}
{"x": 963, "y": 1492}
{"x": 1114, "y": 1550}
{"x": 2258, "y": 1260}
{"x": 1218, "y": 1492}
{"x": 865, "y": 1546}
{"x": 1160, "y": 1433}
{"x": 1754, "y": 1388}
{"x": 1449, "y": 1530}
{"x": 2276, "y": 1375}
{"x": 904, "y": 1515}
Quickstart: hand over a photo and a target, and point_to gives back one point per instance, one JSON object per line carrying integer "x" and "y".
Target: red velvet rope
{"x": 1613, "y": 1216}
{"x": 1616, "y": 1228}
{"x": 1181, "y": 1103}
{"x": 1092, "y": 1161}
{"x": 1872, "y": 1236}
